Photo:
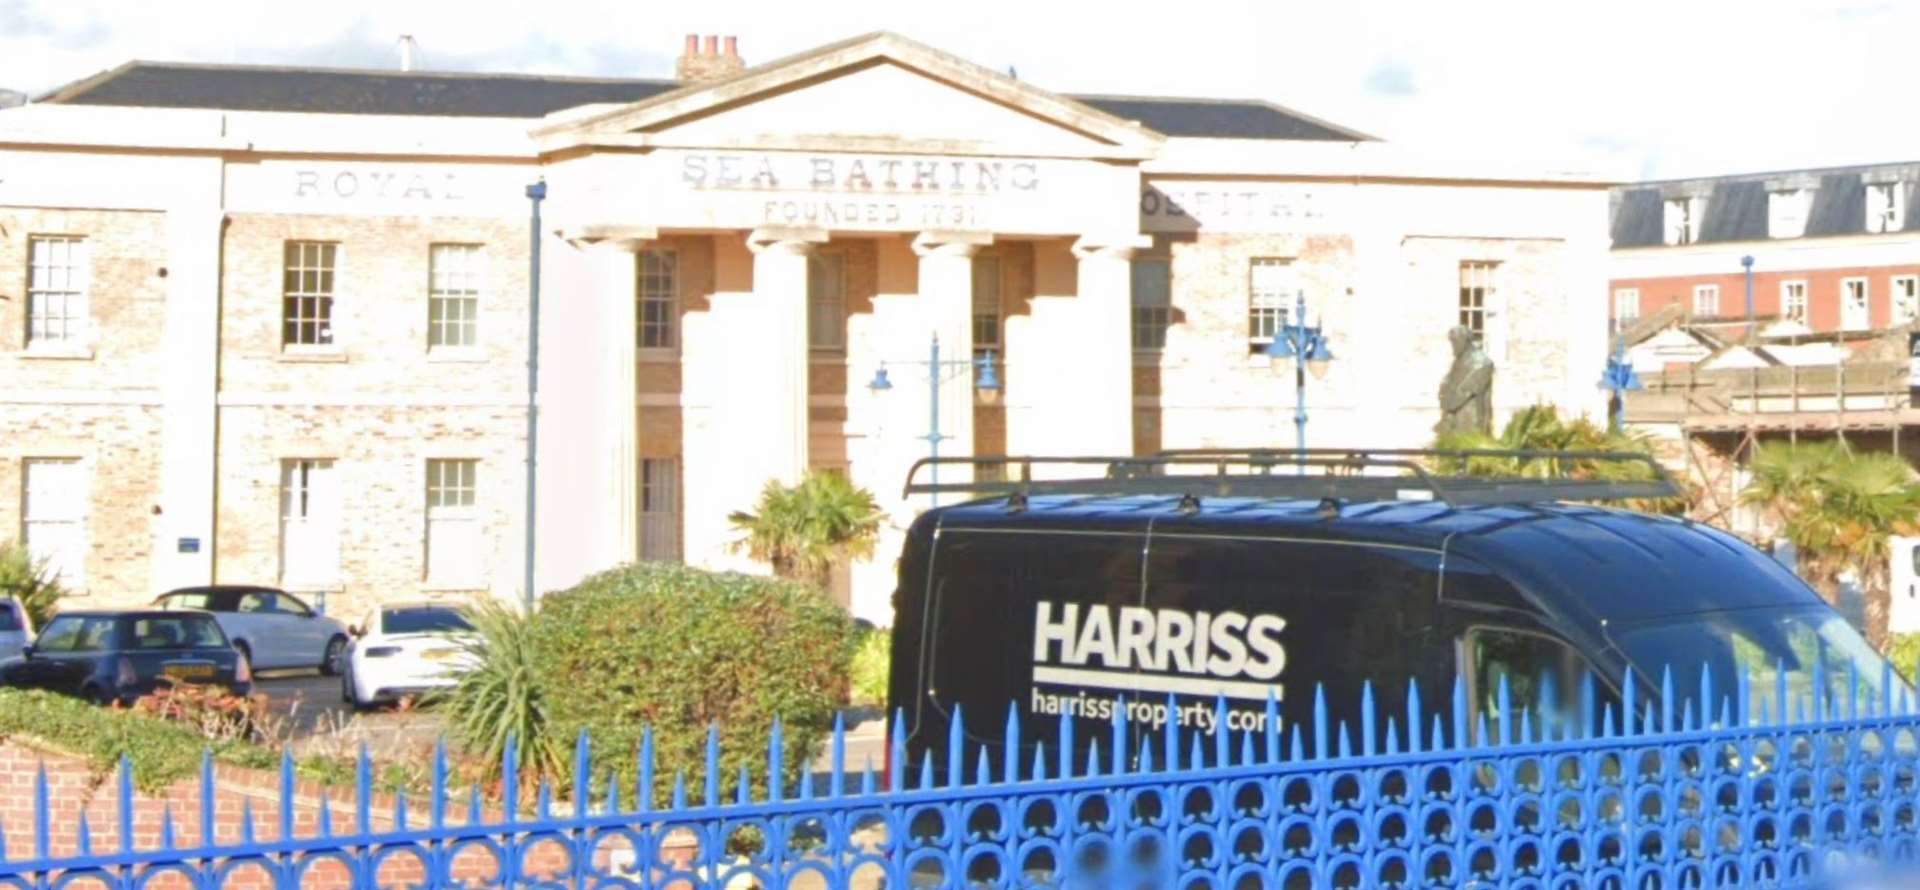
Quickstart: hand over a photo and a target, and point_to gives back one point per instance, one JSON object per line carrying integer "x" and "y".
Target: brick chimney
{"x": 704, "y": 64}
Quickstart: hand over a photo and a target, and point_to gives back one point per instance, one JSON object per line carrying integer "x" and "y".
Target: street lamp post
{"x": 1306, "y": 346}
{"x": 536, "y": 193}
{"x": 940, "y": 371}
{"x": 1619, "y": 378}
{"x": 1746, "y": 262}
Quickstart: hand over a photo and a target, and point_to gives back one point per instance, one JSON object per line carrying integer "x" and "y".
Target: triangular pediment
{"x": 879, "y": 92}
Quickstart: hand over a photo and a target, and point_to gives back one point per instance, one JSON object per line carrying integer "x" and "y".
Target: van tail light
{"x": 242, "y": 672}
{"x": 123, "y": 674}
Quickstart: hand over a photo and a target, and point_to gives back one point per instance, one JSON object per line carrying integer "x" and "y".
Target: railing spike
{"x": 1781, "y": 706}
{"x": 1853, "y": 690}
{"x": 1549, "y": 706}
{"x": 712, "y": 774}
{"x": 1708, "y": 707}
{"x": 125, "y": 808}
{"x": 1819, "y": 708}
{"x": 324, "y": 818}
{"x": 582, "y": 773}
{"x": 612, "y": 805}
{"x": 897, "y": 761}
{"x": 1170, "y": 734}
{"x": 926, "y": 771}
{"x": 1504, "y": 697}
{"x": 1726, "y": 714}
{"x": 1271, "y": 726}
{"x": 803, "y": 785}
{"x": 1481, "y": 733}
{"x": 1146, "y": 758}
{"x": 1297, "y": 754}
{"x": 1413, "y": 716}
{"x": 1886, "y": 688}
{"x": 1526, "y": 726}
{"x": 679, "y": 800}
{"x": 836, "y": 780}
{"x": 1606, "y": 722}
{"x": 286, "y": 795}
{"x": 1366, "y": 718}
{"x": 1119, "y": 738}
{"x": 866, "y": 779}
{"x": 776, "y": 762}
{"x": 1743, "y": 705}
{"x": 543, "y": 806}
{"x": 743, "y": 787}
{"x": 983, "y": 768}
{"x": 207, "y": 799}
{"x": 1197, "y": 756}
{"x": 246, "y": 823}
{"x": 3, "y": 843}
{"x": 956, "y": 746}
{"x": 438, "y": 804}
{"x": 1093, "y": 761}
{"x": 400, "y": 810}
{"x": 474, "y": 809}
{"x": 509, "y": 780}
{"x": 1686, "y": 715}
{"x": 1342, "y": 737}
{"x": 1010, "y": 770}
{"x": 1246, "y": 749}
{"x": 1587, "y": 700}
{"x": 643, "y": 771}
{"x": 1439, "y": 739}
{"x": 169, "y": 836}
{"x": 85, "y": 836}
{"x": 1039, "y": 773}
{"x": 1627, "y": 690}
{"x": 1222, "y": 740}
{"x": 1462, "y": 729}
{"x": 1393, "y": 736}
{"x": 1320, "y": 722}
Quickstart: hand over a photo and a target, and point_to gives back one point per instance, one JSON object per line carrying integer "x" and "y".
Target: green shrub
{"x": 1904, "y": 651}
{"x": 29, "y": 580}
{"x": 680, "y": 649}
{"x": 872, "y": 662}
{"x": 161, "y": 751}
{"x": 503, "y": 697}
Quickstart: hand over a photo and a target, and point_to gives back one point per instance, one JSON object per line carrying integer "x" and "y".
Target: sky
{"x": 1650, "y": 89}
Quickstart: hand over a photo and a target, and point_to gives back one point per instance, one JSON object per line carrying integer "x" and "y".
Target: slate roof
{"x": 360, "y": 91}
{"x": 1737, "y": 205}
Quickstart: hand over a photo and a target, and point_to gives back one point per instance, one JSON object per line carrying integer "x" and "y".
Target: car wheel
{"x": 333, "y": 663}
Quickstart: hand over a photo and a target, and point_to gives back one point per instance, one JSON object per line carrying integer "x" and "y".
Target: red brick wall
{"x": 1823, "y": 292}
{"x": 73, "y": 789}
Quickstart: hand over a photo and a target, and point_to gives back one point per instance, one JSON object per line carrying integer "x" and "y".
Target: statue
{"x": 1466, "y": 394}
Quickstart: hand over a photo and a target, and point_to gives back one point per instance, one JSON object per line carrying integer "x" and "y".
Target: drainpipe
{"x": 536, "y": 193}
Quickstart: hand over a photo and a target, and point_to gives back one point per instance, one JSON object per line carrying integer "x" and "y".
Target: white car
{"x": 402, "y": 650}
{"x": 16, "y": 630}
{"x": 273, "y": 629}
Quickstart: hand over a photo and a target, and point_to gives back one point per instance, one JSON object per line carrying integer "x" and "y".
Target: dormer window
{"x": 1886, "y": 206}
{"x": 1787, "y": 212}
{"x": 1683, "y": 218}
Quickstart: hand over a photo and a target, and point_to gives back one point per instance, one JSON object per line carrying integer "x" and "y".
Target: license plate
{"x": 189, "y": 671}
{"x": 441, "y": 654}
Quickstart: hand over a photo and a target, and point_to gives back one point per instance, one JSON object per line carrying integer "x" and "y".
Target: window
{"x": 1787, "y": 212}
{"x": 306, "y": 306}
{"x": 660, "y": 509}
{"x": 77, "y": 633}
{"x": 827, "y": 301}
{"x": 1270, "y": 293}
{"x": 1528, "y": 662}
{"x": 184, "y": 632}
{"x": 986, "y": 306}
{"x": 309, "y": 522}
{"x": 56, "y": 516}
{"x": 1152, "y": 302}
{"x": 56, "y": 289}
{"x": 658, "y": 294}
{"x": 1476, "y": 289}
{"x": 1706, "y": 300}
{"x": 453, "y": 297}
{"x": 1855, "y": 305}
{"x": 1626, "y": 303}
{"x": 1906, "y": 298}
{"x": 1886, "y": 206}
{"x": 1683, "y": 216}
{"x": 454, "y": 554}
{"x": 1793, "y": 301}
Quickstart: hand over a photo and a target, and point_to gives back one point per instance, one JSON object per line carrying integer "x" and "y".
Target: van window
{"x": 1529, "y": 663}
{"x": 9, "y": 619}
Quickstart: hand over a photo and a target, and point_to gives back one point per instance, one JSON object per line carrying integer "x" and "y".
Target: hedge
{"x": 161, "y": 752}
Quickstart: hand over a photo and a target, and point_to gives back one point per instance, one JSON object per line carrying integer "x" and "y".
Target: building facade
{"x": 272, "y": 325}
{"x": 1833, "y": 250}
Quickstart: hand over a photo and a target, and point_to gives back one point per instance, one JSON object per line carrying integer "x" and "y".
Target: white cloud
{"x": 1665, "y": 87}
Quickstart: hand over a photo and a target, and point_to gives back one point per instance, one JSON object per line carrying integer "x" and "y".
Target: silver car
{"x": 273, "y": 629}
{"x": 16, "y": 630}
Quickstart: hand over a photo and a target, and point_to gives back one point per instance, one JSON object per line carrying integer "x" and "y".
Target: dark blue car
{"x": 107, "y": 657}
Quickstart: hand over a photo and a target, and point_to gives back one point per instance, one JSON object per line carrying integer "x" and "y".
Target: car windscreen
{"x": 423, "y": 620}
{"x": 1803, "y": 646}
{"x": 9, "y": 619}
{"x": 175, "y": 632}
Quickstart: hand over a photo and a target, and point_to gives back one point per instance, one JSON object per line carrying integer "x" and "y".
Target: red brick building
{"x": 1837, "y": 249}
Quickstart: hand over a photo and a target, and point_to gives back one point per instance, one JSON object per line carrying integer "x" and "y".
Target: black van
{"x": 1174, "y": 582}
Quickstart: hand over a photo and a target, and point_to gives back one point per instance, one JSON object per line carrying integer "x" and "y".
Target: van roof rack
{"x": 1339, "y": 474}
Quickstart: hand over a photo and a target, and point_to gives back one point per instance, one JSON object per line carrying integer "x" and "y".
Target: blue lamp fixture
{"x": 1306, "y": 346}
{"x": 986, "y": 382}
{"x": 1620, "y": 378}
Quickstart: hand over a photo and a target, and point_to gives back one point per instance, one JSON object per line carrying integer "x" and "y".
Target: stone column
{"x": 616, "y": 275}
{"x": 946, "y": 298}
{"x": 1096, "y": 410}
{"x": 184, "y": 545}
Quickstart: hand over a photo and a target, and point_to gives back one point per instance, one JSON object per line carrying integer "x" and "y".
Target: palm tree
{"x": 1839, "y": 510}
{"x": 802, "y": 530}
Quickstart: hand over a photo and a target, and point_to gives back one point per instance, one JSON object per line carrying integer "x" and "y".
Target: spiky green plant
{"x": 802, "y": 530}
{"x": 501, "y": 696}
{"x": 1540, "y": 428}
{"x": 30, "y": 581}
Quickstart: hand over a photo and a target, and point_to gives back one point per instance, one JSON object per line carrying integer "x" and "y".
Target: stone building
{"x": 271, "y": 325}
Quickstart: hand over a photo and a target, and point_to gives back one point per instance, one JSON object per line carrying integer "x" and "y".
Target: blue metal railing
{"x": 1722, "y": 790}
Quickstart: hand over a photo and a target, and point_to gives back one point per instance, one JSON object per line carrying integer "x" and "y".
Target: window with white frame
{"x": 1476, "y": 292}
{"x": 1152, "y": 295}
{"x": 660, "y": 509}
{"x": 827, "y": 301}
{"x": 1886, "y": 206}
{"x": 1270, "y": 291}
{"x": 454, "y": 555}
{"x": 1906, "y": 298}
{"x": 1793, "y": 301}
{"x": 309, "y": 522}
{"x": 1856, "y": 305}
{"x": 1787, "y": 212}
{"x": 987, "y": 315}
{"x": 658, "y": 296}
{"x": 453, "y": 295}
{"x": 1626, "y": 303}
{"x": 1683, "y": 218}
{"x": 306, "y": 312}
{"x": 55, "y": 513}
{"x": 1706, "y": 300}
{"x": 57, "y": 274}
